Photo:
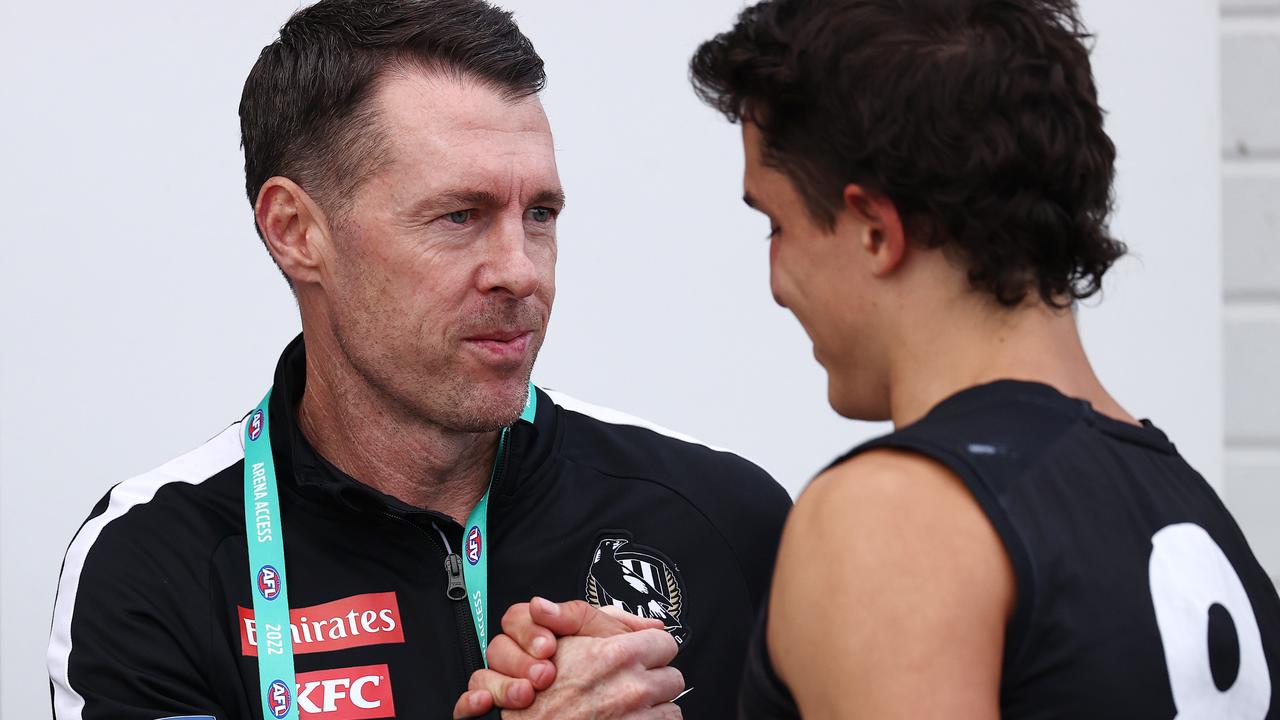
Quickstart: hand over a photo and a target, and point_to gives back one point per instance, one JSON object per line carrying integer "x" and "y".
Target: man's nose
{"x": 507, "y": 267}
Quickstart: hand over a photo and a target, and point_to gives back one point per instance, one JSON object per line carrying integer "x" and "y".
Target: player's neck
{"x": 972, "y": 343}
{"x": 367, "y": 436}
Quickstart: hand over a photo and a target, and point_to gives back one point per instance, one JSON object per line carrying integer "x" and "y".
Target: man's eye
{"x": 542, "y": 214}
{"x": 459, "y": 217}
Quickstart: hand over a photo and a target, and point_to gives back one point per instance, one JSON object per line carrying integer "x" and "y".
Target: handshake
{"x": 572, "y": 660}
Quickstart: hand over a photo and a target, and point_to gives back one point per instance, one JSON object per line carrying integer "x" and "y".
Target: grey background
{"x": 141, "y": 314}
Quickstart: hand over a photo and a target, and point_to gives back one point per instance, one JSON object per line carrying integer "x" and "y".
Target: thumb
{"x": 633, "y": 622}
{"x": 575, "y": 617}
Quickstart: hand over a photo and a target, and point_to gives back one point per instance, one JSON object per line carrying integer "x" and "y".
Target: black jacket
{"x": 153, "y": 617}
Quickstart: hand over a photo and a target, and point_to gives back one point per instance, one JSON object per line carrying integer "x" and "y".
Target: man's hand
{"x": 611, "y": 664}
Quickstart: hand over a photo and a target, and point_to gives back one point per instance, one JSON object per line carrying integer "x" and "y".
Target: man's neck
{"x": 383, "y": 446}
{"x": 971, "y": 343}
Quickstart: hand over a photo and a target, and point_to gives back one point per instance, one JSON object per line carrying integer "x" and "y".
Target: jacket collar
{"x": 300, "y": 465}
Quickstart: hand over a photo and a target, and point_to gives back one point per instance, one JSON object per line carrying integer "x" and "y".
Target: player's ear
{"x": 295, "y": 229}
{"x": 880, "y": 228}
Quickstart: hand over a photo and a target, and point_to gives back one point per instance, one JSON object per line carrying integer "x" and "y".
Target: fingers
{"x": 652, "y": 648}
{"x": 640, "y": 689}
{"x": 507, "y": 658}
{"x": 601, "y": 677}
{"x": 664, "y": 684}
{"x": 634, "y": 622}
{"x": 473, "y": 703}
{"x": 567, "y": 618}
{"x": 535, "y": 625}
{"x": 535, "y": 639}
{"x": 576, "y": 617}
{"x": 665, "y": 711}
{"x": 508, "y": 693}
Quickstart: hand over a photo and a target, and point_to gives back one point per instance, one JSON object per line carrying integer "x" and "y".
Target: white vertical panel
{"x": 1251, "y": 206}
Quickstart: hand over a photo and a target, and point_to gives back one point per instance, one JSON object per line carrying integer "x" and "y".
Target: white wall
{"x": 131, "y": 271}
{"x": 1251, "y": 230}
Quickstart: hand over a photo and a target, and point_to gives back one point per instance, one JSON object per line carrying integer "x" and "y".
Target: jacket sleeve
{"x": 131, "y": 626}
{"x": 757, "y": 510}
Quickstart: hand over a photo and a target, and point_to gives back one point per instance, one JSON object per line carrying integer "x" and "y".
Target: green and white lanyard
{"x": 276, "y": 677}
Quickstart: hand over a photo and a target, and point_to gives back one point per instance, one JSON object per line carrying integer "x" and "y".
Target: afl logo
{"x": 255, "y": 424}
{"x": 279, "y": 699}
{"x": 475, "y": 545}
{"x": 269, "y": 582}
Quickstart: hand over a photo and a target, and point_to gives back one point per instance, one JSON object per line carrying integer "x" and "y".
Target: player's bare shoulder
{"x": 881, "y": 480}
{"x": 900, "y": 538}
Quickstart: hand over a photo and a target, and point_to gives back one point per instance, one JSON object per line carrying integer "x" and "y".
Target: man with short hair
{"x": 938, "y": 182}
{"x": 343, "y": 550}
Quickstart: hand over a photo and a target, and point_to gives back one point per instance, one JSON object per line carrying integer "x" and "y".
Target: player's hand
{"x": 523, "y": 662}
{"x": 534, "y": 627}
{"x": 622, "y": 676}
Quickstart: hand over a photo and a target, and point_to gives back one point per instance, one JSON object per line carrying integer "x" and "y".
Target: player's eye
{"x": 542, "y": 214}
{"x": 459, "y": 217}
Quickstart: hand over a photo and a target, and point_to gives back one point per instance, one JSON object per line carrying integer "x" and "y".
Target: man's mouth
{"x": 502, "y": 336}
{"x": 501, "y": 347}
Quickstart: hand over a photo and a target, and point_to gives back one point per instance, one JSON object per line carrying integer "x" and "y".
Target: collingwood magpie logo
{"x": 642, "y": 583}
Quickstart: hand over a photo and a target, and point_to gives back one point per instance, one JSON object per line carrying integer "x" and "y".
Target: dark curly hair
{"x": 978, "y": 119}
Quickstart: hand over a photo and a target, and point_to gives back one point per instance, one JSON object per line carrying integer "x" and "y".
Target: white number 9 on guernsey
{"x": 1189, "y": 576}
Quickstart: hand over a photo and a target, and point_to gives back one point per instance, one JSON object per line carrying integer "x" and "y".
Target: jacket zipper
{"x": 456, "y": 588}
{"x": 455, "y": 592}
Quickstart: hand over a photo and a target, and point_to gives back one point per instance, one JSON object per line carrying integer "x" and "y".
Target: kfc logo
{"x": 269, "y": 582}
{"x": 278, "y": 699}
{"x": 474, "y": 545}
{"x": 255, "y": 424}
{"x": 358, "y": 693}
{"x": 372, "y": 619}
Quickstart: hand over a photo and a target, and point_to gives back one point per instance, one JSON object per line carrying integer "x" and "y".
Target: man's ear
{"x": 883, "y": 238}
{"x": 294, "y": 228}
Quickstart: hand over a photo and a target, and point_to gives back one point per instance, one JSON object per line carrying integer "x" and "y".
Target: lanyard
{"x": 276, "y": 678}
{"x": 475, "y": 569}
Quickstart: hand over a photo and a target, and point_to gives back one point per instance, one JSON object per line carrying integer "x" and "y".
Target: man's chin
{"x": 490, "y": 405}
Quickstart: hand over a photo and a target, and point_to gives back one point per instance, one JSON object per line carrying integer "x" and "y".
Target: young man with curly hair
{"x": 938, "y": 183}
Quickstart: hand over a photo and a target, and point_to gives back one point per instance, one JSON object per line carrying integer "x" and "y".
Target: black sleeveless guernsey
{"x": 1137, "y": 595}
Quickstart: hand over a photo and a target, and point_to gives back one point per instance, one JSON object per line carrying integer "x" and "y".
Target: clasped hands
{"x": 573, "y": 660}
